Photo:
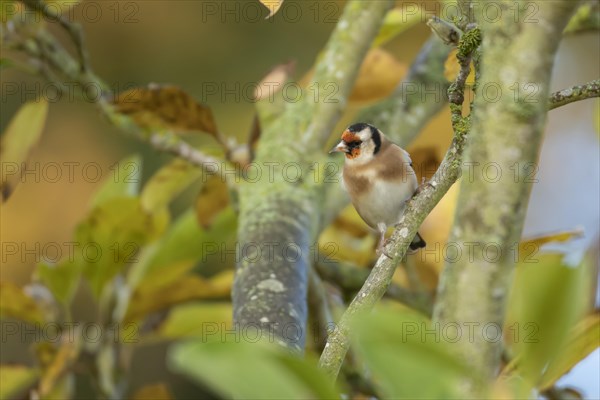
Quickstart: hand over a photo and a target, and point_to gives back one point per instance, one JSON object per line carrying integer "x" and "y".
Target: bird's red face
{"x": 352, "y": 142}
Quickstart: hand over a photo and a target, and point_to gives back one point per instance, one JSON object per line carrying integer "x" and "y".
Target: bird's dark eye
{"x": 354, "y": 144}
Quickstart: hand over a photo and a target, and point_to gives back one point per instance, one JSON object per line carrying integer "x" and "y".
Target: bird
{"x": 379, "y": 178}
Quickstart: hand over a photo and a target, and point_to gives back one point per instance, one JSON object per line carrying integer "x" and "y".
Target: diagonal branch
{"x": 416, "y": 211}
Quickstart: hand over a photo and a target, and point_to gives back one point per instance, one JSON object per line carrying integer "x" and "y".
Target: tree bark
{"x": 279, "y": 213}
{"x": 509, "y": 116}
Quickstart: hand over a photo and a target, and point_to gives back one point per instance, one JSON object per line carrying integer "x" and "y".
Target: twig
{"x": 378, "y": 281}
{"x": 181, "y": 149}
{"x": 51, "y": 52}
{"x": 573, "y": 94}
{"x": 73, "y": 29}
{"x": 416, "y": 211}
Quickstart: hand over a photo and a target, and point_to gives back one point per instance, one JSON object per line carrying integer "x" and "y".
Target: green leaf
{"x": 22, "y": 133}
{"x": 113, "y": 234}
{"x": 124, "y": 181}
{"x": 205, "y": 320}
{"x": 544, "y": 303}
{"x": 16, "y": 380}
{"x": 5, "y": 63}
{"x": 61, "y": 278}
{"x": 186, "y": 244}
{"x": 248, "y": 370}
{"x": 14, "y": 303}
{"x": 584, "y": 338}
{"x": 167, "y": 183}
{"x": 397, "y": 21}
{"x": 401, "y": 357}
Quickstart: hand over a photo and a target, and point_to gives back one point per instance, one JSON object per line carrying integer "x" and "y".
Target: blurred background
{"x": 229, "y": 43}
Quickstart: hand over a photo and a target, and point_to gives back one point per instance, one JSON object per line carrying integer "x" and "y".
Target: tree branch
{"x": 73, "y": 29}
{"x": 270, "y": 290}
{"x": 50, "y": 52}
{"x": 505, "y": 132}
{"x": 576, "y": 93}
{"x": 381, "y": 275}
{"x": 416, "y": 211}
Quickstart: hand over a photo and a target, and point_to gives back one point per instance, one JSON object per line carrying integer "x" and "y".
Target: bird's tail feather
{"x": 417, "y": 242}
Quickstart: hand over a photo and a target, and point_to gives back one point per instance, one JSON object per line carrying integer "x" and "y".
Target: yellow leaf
{"x": 187, "y": 288}
{"x": 451, "y": 69}
{"x": 397, "y": 21}
{"x": 16, "y": 380}
{"x": 22, "y": 133}
{"x": 562, "y": 236}
{"x": 14, "y": 303}
{"x": 155, "y": 391}
{"x": 380, "y": 73}
{"x": 272, "y": 5}
{"x": 213, "y": 197}
{"x": 167, "y": 183}
{"x": 584, "y": 338}
{"x": 208, "y": 320}
{"x": 165, "y": 107}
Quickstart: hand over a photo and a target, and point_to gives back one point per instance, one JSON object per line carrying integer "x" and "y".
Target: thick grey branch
{"x": 270, "y": 290}
{"x": 473, "y": 289}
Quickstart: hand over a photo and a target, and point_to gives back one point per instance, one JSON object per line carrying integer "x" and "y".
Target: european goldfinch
{"x": 379, "y": 178}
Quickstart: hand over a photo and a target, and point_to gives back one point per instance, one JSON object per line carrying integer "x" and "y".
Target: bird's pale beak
{"x": 341, "y": 147}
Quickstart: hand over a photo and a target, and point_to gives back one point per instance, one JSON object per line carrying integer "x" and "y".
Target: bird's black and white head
{"x": 360, "y": 143}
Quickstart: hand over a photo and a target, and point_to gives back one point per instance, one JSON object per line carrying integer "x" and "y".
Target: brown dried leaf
{"x": 165, "y": 107}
